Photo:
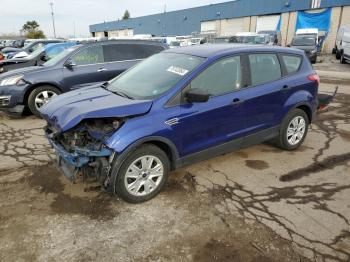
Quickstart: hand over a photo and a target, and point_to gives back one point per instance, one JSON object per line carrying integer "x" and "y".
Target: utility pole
{"x": 74, "y": 29}
{"x": 53, "y": 20}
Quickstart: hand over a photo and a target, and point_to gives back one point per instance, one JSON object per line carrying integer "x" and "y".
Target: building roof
{"x": 210, "y": 50}
{"x": 187, "y": 21}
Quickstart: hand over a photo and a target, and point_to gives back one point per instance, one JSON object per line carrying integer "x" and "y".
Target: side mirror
{"x": 69, "y": 63}
{"x": 196, "y": 95}
{"x": 44, "y": 58}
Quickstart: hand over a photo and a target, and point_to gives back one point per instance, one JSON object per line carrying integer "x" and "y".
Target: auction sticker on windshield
{"x": 177, "y": 70}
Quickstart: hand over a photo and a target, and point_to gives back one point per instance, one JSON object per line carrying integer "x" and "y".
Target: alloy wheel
{"x": 144, "y": 175}
{"x": 43, "y": 97}
{"x": 296, "y": 130}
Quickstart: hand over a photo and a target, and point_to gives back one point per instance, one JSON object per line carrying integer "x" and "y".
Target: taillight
{"x": 315, "y": 78}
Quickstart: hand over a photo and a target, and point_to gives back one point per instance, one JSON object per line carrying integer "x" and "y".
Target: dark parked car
{"x": 19, "y": 43}
{"x": 74, "y": 68}
{"x": 38, "y": 57}
{"x": 180, "y": 106}
{"x": 10, "y": 52}
{"x": 308, "y": 44}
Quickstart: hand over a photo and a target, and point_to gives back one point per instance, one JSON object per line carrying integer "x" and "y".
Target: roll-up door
{"x": 229, "y": 27}
{"x": 208, "y": 26}
{"x": 268, "y": 22}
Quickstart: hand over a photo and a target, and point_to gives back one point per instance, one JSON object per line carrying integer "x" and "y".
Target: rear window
{"x": 264, "y": 68}
{"x": 292, "y": 63}
{"x": 121, "y": 52}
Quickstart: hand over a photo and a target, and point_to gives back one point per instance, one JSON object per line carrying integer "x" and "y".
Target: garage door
{"x": 208, "y": 26}
{"x": 268, "y": 22}
{"x": 230, "y": 27}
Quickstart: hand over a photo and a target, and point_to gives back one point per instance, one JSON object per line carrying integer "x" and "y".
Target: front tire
{"x": 293, "y": 130}
{"x": 342, "y": 59}
{"x": 40, "y": 96}
{"x": 143, "y": 174}
{"x": 337, "y": 55}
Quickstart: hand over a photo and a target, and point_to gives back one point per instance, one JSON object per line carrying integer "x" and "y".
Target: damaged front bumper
{"x": 71, "y": 163}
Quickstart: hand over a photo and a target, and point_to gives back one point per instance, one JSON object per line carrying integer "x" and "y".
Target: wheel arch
{"x": 307, "y": 109}
{"x": 163, "y": 143}
{"x": 31, "y": 88}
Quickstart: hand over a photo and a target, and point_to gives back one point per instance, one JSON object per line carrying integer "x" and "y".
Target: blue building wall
{"x": 184, "y": 22}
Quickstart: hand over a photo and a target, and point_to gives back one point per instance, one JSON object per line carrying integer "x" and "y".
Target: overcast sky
{"x": 14, "y": 13}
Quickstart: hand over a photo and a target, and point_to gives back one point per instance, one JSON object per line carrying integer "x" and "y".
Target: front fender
{"x": 122, "y": 142}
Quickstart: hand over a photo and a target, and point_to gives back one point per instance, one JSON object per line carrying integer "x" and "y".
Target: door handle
{"x": 286, "y": 88}
{"x": 236, "y": 101}
{"x": 102, "y": 70}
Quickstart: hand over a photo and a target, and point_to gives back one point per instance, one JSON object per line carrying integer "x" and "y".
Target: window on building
{"x": 264, "y": 68}
{"x": 220, "y": 78}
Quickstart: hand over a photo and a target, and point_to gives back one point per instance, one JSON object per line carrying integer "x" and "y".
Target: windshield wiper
{"x": 122, "y": 94}
{"x": 104, "y": 85}
{"x": 119, "y": 93}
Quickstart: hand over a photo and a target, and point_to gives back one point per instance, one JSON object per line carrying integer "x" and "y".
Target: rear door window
{"x": 291, "y": 63}
{"x": 264, "y": 68}
{"x": 122, "y": 52}
{"x": 89, "y": 56}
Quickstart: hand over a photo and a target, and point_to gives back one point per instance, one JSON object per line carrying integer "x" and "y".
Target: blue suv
{"x": 180, "y": 106}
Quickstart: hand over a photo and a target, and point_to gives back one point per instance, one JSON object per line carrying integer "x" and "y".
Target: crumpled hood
{"x": 67, "y": 110}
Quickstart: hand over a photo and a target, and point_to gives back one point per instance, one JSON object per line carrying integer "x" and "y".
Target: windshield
{"x": 154, "y": 76}
{"x": 55, "y": 59}
{"x": 33, "y": 46}
{"x": 221, "y": 40}
{"x": 174, "y": 43}
{"x": 252, "y": 39}
{"x": 36, "y": 52}
{"x": 304, "y": 41}
{"x": 260, "y": 40}
{"x": 56, "y": 49}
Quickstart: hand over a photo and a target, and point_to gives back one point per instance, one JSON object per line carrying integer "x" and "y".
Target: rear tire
{"x": 40, "y": 96}
{"x": 293, "y": 130}
{"x": 143, "y": 174}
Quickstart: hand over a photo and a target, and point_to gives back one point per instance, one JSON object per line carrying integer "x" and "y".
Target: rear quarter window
{"x": 292, "y": 63}
{"x": 122, "y": 52}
